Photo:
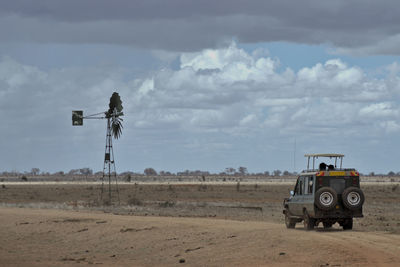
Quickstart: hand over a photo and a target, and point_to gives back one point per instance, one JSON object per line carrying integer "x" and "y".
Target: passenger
{"x": 322, "y": 166}
{"x": 331, "y": 167}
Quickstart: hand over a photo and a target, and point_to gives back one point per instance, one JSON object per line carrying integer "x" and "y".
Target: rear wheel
{"x": 290, "y": 223}
{"x": 326, "y": 198}
{"x": 353, "y": 198}
{"x": 348, "y": 224}
{"x": 309, "y": 222}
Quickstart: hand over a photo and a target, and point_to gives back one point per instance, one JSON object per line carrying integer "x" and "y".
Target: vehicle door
{"x": 297, "y": 199}
{"x": 308, "y": 194}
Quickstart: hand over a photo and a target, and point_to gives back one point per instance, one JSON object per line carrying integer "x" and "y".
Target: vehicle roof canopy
{"x": 327, "y": 155}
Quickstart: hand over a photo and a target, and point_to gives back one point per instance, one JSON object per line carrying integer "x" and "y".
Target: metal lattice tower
{"x": 109, "y": 170}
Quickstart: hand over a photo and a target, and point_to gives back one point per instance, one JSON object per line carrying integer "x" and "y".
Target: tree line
{"x": 230, "y": 171}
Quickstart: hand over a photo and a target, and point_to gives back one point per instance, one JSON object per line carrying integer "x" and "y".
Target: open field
{"x": 237, "y": 201}
{"x": 231, "y": 224}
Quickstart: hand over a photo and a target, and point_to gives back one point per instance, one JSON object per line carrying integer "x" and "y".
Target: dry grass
{"x": 244, "y": 201}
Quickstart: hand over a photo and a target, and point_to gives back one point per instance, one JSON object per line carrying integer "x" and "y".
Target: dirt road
{"x": 32, "y": 237}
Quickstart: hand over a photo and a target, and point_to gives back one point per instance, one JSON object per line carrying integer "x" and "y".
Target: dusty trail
{"x": 32, "y": 237}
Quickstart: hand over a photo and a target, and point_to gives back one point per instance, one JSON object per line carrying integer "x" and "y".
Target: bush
{"x": 134, "y": 201}
{"x": 394, "y": 188}
{"x": 167, "y": 204}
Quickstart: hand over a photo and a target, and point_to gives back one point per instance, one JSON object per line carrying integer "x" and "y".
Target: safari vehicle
{"x": 326, "y": 195}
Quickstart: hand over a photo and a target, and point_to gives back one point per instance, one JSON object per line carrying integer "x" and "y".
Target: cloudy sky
{"x": 205, "y": 84}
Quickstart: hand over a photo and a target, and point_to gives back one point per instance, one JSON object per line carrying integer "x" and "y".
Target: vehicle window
{"x": 297, "y": 187}
{"x": 305, "y": 190}
{"x": 338, "y": 185}
{"x": 301, "y": 186}
{"x": 310, "y": 184}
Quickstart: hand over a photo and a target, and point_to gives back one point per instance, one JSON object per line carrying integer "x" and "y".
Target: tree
{"x": 150, "y": 171}
{"x": 242, "y": 170}
{"x": 74, "y": 172}
{"x": 286, "y": 173}
{"x": 277, "y": 173}
{"x": 35, "y": 171}
{"x": 391, "y": 173}
{"x": 230, "y": 170}
{"x": 266, "y": 173}
{"x": 86, "y": 171}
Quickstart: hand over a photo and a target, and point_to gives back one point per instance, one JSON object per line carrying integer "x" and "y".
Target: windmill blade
{"x": 116, "y": 126}
{"x": 114, "y": 113}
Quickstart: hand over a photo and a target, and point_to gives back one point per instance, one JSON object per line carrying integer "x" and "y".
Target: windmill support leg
{"x": 109, "y": 170}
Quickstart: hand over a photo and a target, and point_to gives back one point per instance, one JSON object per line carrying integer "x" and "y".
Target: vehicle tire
{"x": 353, "y": 198}
{"x": 327, "y": 225}
{"x": 326, "y": 198}
{"x": 309, "y": 223}
{"x": 290, "y": 223}
{"x": 348, "y": 224}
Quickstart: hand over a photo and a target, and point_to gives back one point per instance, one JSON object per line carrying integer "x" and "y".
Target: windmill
{"x": 114, "y": 129}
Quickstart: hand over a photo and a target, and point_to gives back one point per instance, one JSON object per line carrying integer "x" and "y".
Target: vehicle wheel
{"x": 290, "y": 223}
{"x": 326, "y": 198}
{"x": 327, "y": 225}
{"x": 348, "y": 224}
{"x": 309, "y": 223}
{"x": 353, "y": 198}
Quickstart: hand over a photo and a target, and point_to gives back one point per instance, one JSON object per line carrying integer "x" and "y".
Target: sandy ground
{"x": 198, "y": 224}
{"x": 32, "y": 237}
{"x": 249, "y": 201}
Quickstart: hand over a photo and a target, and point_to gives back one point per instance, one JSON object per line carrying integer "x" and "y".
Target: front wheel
{"x": 290, "y": 223}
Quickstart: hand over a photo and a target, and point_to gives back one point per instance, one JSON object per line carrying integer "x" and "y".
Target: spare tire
{"x": 326, "y": 198}
{"x": 353, "y": 198}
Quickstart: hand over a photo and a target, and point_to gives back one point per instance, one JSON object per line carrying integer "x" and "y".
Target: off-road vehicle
{"x": 326, "y": 195}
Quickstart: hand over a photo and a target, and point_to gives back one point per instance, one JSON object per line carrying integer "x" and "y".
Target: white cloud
{"x": 383, "y": 110}
{"x": 391, "y": 126}
{"x": 230, "y": 88}
{"x": 223, "y": 96}
{"x": 146, "y": 87}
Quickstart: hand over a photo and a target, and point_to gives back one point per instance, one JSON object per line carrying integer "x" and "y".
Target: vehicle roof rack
{"x": 326, "y": 155}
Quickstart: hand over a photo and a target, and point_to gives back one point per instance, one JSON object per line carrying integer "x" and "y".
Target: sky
{"x": 205, "y": 85}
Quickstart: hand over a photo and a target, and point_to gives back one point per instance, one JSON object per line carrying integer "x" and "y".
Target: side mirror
{"x": 292, "y": 193}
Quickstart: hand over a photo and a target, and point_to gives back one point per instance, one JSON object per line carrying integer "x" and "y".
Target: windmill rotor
{"x": 114, "y": 113}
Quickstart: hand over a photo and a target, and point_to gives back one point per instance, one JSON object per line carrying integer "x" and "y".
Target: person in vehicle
{"x": 322, "y": 166}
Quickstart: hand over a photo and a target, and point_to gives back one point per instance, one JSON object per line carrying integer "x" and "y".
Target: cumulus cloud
{"x": 356, "y": 27}
{"x": 216, "y": 98}
{"x": 230, "y": 88}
